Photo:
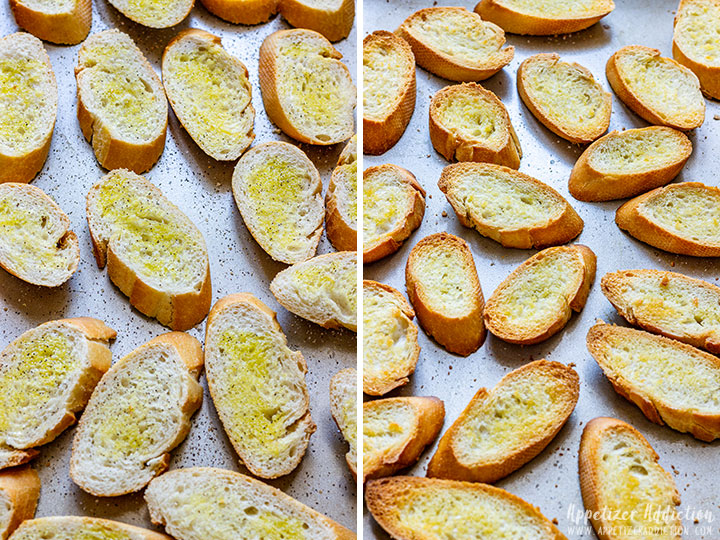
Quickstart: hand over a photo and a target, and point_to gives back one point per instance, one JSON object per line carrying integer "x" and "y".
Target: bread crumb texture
{"x": 385, "y": 206}
{"x": 46, "y": 529}
{"x": 474, "y": 116}
{"x": 49, "y": 6}
{"x": 553, "y": 8}
{"x": 154, "y": 13}
{"x": 637, "y": 151}
{"x": 697, "y": 31}
{"x": 386, "y": 426}
{"x": 385, "y": 71}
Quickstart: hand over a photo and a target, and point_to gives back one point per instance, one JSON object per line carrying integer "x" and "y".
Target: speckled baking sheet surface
{"x": 550, "y": 481}
{"x": 200, "y": 186}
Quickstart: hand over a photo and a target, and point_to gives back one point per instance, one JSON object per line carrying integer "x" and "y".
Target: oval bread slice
{"x": 242, "y": 11}
{"x": 74, "y": 527}
{"x": 696, "y": 44}
{"x": 341, "y": 200}
{"x": 63, "y": 22}
{"x": 502, "y": 429}
{"x": 19, "y": 494}
{"x": 332, "y": 18}
{"x": 155, "y": 14}
{"x": 343, "y": 407}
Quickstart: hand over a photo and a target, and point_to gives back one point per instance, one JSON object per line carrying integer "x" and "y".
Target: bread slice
{"x": 66, "y": 23}
{"x": 696, "y": 43}
{"x": 36, "y": 243}
{"x": 258, "y": 385}
{"x": 155, "y": 255}
{"x": 242, "y": 11}
{"x": 623, "y": 486}
{"x": 508, "y": 206}
{"x": 627, "y": 163}
{"x": 390, "y": 342}
{"x": 331, "y": 18}
{"x": 396, "y": 431}
{"x": 544, "y": 18}
{"x": 672, "y": 383}
{"x": 564, "y": 97}
{"x": 46, "y": 378}
{"x": 657, "y": 89}
{"x": 389, "y": 90}
{"x": 456, "y": 44}
{"x": 122, "y": 107}
{"x": 210, "y": 92}
{"x": 307, "y": 91}
{"x": 393, "y": 207}
{"x": 138, "y": 413}
{"x": 19, "y": 494}
{"x": 30, "y": 103}
{"x": 162, "y": 14}
{"x": 536, "y": 301}
{"x": 411, "y": 508}
{"x": 343, "y": 406}
{"x": 679, "y": 218}
{"x": 72, "y": 527}
{"x": 200, "y": 503}
{"x": 279, "y": 194}
{"x": 667, "y": 303}
{"x": 341, "y": 200}
{"x": 469, "y": 123}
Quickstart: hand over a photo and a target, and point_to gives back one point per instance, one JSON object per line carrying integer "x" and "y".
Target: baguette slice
{"x": 396, "y": 431}
{"x": 389, "y": 90}
{"x": 627, "y": 163}
{"x": 564, "y": 97}
{"x": 679, "y": 218}
{"x": 456, "y": 44}
{"x": 503, "y": 429}
{"x": 331, "y": 18}
{"x": 411, "y": 508}
{"x": 36, "y": 243}
{"x": 201, "y": 503}
{"x": 46, "y": 378}
{"x": 341, "y": 200}
{"x": 343, "y": 406}
{"x": 696, "y": 44}
{"x": 508, "y": 206}
{"x": 155, "y": 14}
{"x": 657, "y": 89}
{"x": 393, "y": 207}
{"x": 322, "y": 290}
{"x": 672, "y": 383}
{"x": 122, "y": 108}
{"x": 210, "y": 92}
{"x": 155, "y": 255}
{"x": 242, "y": 11}
{"x": 308, "y": 93}
{"x": 469, "y": 123}
{"x": 66, "y": 23}
{"x": 390, "y": 339}
{"x": 258, "y": 385}
{"x": 29, "y": 104}
{"x": 138, "y": 413}
{"x": 444, "y": 289}
{"x": 620, "y": 474}
{"x": 536, "y": 301}
{"x": 74, "y": 527}
{"x": 19, "y": 494}
{"x": 279, "y": 194}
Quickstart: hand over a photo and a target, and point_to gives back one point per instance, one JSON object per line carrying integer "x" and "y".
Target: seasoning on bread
{"x": 696, "y": 44}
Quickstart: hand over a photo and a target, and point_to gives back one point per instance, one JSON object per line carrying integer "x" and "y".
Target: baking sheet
{"x": 550, "y": 481}
{"x": 200, "y": 186}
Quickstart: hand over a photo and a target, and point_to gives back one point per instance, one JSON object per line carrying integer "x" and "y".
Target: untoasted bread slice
{"x": 332, "y": 18}
{"x": 19, "y": 493}
{"x": 696, "y": 44}
{"x": 627, "y": 163}
{"x": 396, "y": 431}
{"x": 679, "y": 218}
{"x": 625, "y": 490}
{"x": 469, "y": 123}
{"x": 411, "y": 508}
{"x": 538, "y": 298}
{"x": 66, "y": 23}
{"x": 502, "y": 429}
{"x": 341, "y": 200}
{"x": 74, "y": 527}
{"x": 155, "y": 14}
{"x": 154, "y": 253}
{"x": 343, "y": 406}
{"x": 508, "y": 206}
{"x": 242, "y": 11}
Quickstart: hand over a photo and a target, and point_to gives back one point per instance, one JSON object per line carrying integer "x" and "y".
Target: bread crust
{"x": 348, "y": 377}
{"x": 333, "y": 24}
{"x": 709, "y": 76}
{"x": 150, "y": 23}
{"x": 22, "y": 487}
{"x": 68, "y": 28}
{"x": 60, "y": 521}
{"x": 242, "y": 11}
{"x": 342, "y": 234}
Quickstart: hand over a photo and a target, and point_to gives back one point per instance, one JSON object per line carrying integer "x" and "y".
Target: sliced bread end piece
{"x": 343, "y": 406}
{"x": 19, "y": 494}
{"x": 341, "y": 200}
{"x": 333, "y": 19}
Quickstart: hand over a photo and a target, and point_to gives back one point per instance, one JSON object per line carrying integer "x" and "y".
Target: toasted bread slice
{"x": 201, "y": 503}
{"x": 36, "y": 243}
{"x": 508, "y": 206}
{"x": 122, "y": 107}
{"x": 657, "y": 89}
{"x": 469, "y": 123}
{"x": 679, "y": 218}
{"x": 390, "y": 343}
{"x": 72, "y": 527}
{"x": 242, "y": 11}
{"x": 279, "y": 194}
{"x": 393, "y": 207}
{"x": 456, "y": 44}
{"x": 155, "y": 14}
{"x": 307, "y": 91}
{"x": 627, "y": 163}
{"x": 564, "y": 97}
{"x": 396, "y": 431}
{"x": 502, "y": 429}
{"x": 138, "y": 413}
{"x": 322, "y": 290}
{"x": 696, "y": 44}
{"x": 19, "y": 494}
{"x": 538, "y": 298}
{"x": 210, "y": 92}
{"x": 343, "y": 406}
{"x": 411, "y": 508}
{"x": 389, "y": 90}
{"x": 154, "y": 253}
{"x": 332, "y": 18}
{"x": 29, "y": 101}
{"x": 544, "y": 18}
{"x": 66, "y": 23}
{"x": 46, "y": 377}
{"x": 258, "y": 385}
{"x": 623, "y": 486}
{"x": 341, "y": 200}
